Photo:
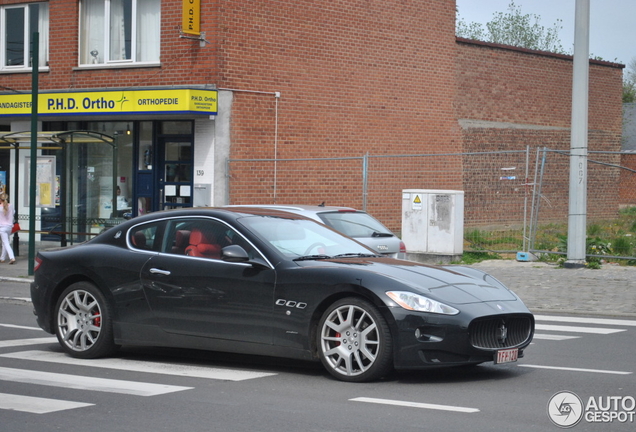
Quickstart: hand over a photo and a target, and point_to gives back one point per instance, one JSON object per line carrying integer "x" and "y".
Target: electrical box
{"x": 433, "y": 221}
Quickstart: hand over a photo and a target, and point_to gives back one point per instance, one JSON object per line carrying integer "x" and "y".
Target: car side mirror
{"x": 234, "y": 253}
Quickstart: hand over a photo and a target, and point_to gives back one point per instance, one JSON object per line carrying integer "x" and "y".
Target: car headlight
{"x": 416, "y": 302}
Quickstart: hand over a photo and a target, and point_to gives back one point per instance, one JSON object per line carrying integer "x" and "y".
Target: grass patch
{"x": 616, "y": 237}
{"x": 473, "y": 257}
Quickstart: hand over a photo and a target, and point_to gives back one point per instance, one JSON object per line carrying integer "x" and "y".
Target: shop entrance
{"x": 175, "y": 170}
{"x": 165, "y": 168}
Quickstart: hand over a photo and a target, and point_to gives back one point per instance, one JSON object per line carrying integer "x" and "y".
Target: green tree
{"x": 629, "y": 82}
{"x": 515, "y": 29}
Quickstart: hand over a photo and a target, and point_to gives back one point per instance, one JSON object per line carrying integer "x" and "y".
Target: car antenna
{"x": 322, "y": 204}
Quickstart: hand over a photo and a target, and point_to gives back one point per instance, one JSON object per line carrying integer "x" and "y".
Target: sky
{"x": 612, "y": 22}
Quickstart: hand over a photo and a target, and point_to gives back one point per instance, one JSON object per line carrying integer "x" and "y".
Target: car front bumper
{"x": 472, "y": 336}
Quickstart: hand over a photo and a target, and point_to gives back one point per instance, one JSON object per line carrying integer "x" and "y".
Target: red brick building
{"x": 297, "y": 80}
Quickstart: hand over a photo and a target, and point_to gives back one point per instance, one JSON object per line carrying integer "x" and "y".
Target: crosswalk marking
{"x": 599, "y": 371}
{"x": 37, "y": 405}
{"x": 573, "y": 329}
{"x": 20, "y": 327}
{"x": 576, "y": 329}
{"x": 87, "y": 383}
{"x": 141, "y": 366}
{"x": 415, "y": 404}
{"x": 583, "y": 320}
{"x": 554, "y": 337}
{"x": 24, "y": 342}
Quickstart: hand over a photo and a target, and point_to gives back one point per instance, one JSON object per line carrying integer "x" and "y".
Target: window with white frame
{"x": 119, "y": 31}
{"x": 18, "y": 23}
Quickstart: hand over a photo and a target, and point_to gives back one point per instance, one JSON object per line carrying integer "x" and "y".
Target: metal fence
{"x": 515, "y": 200}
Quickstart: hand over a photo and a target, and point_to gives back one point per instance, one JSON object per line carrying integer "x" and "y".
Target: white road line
{"x": 554, "y": 337}
{"x": 592, "y": 330}
{"x": 36, "y": 405}
{"x": 87, "y": 383}
{"x": 583, "y": 320}
{"x": 20, "y": 327}
{"x": 24, "y": 342}
{"x": 600, "y": 371}
{"x": 415, "y": 405}
{"x": 23, "y": 299}
{"x": 141, "y": 366}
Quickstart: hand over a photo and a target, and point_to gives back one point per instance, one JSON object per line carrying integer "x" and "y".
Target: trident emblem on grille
{"x": 502, "y": 333}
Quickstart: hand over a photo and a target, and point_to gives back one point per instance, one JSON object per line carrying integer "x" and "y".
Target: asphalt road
{"x": 176, "y": 390}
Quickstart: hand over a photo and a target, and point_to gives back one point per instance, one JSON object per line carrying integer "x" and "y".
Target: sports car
{"x": 267, "y": 282}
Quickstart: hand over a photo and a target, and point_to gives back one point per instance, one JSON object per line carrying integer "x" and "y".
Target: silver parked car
{"x": 353, "y": 223}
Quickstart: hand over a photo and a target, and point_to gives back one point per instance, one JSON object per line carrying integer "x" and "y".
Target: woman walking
{"x": 6, "y": 224}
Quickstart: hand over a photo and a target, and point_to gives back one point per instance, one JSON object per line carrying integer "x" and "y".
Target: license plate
{"x": 507, "y": 356}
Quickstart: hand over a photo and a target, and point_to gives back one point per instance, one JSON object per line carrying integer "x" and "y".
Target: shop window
{"x": 17, "y": 25}
{"x": 119, "y": 31}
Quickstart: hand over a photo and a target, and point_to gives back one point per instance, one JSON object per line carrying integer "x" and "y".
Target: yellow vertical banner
{"x": 191, "y": 17}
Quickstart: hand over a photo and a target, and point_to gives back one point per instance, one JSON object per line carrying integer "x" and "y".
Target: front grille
{"x": 502, "y": 331}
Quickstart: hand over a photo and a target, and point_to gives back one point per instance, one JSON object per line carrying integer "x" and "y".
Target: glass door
{"x": 175, "y": 172}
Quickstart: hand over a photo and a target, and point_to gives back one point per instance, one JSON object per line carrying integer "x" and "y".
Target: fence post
{"x": 365, "y": 177}
{"x": 537, "y": 197}
{"x": 525, "y": 202}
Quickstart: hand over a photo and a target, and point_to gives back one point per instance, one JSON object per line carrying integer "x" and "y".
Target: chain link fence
{"x": 515, "y": 200}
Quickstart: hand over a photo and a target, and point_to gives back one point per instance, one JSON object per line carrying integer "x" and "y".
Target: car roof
{"x": 299, "y": 207}
{"x": 232, "y": 212}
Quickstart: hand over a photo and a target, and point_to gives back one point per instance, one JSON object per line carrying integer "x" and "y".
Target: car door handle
{"x": 159, "y": 271}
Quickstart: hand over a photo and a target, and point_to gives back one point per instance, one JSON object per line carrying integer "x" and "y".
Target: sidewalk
{"x": 544, "y": 288}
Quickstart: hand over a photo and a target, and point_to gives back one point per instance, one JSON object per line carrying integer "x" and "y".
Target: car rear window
{"x": 354, "y": 224}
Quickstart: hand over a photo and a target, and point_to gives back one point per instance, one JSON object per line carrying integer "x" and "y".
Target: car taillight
{"x": 38, "y": 262}
{"x": 402, "y": 247}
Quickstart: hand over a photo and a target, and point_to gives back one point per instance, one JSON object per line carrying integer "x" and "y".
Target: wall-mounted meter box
{"x": 202, "y": 195}
{"x": 433, "y": 221}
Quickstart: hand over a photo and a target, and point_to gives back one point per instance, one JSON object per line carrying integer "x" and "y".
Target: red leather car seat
{"x": 203, "y": 244}
{"x": 181, "y": 241}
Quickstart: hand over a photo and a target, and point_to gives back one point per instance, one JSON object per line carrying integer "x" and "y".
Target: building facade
{"x": 187, "y": 86}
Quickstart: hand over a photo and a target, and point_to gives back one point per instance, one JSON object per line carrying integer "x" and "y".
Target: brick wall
{"x": 355, "y": 77}
{"x": 510, "y": 98}
{"x": 183, "y": 61}
{"x": 628, "y": 180}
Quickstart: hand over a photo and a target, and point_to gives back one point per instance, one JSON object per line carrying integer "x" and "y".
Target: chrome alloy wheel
{"x": 79, "y": 320}
{"x": 350, "y": 340}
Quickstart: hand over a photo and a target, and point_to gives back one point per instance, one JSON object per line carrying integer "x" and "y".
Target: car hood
{"x": 450, "y": 284}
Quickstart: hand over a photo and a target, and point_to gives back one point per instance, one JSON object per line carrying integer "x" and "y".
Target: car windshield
{"x": 300, "y": 238}
{"x": 355, "y": 224}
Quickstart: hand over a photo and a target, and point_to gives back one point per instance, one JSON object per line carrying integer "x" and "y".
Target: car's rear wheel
{"x": 84, "y": 326}
{"x": 354, "y": 341}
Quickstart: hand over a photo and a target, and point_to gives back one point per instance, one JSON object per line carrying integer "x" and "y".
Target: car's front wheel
{"x": 354, "y": 341}
{"x": 83, "y": 322}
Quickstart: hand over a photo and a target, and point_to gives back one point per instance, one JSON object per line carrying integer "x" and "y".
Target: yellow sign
{"x": 173, "y": 101}
{"x": 191, "y": 17}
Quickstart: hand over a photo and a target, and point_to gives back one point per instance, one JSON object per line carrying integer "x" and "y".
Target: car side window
{"x": 203, "y": 238}
{"x": 144, "y": 237}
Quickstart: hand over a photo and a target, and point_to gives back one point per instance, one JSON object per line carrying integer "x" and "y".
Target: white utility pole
{"x": 578, "y": 141}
